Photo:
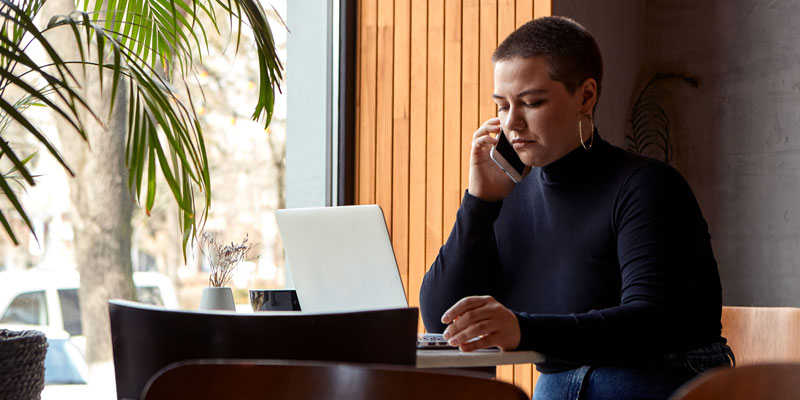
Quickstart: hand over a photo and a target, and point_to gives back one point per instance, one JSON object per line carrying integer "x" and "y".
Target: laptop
{"x": 342, "y": 259}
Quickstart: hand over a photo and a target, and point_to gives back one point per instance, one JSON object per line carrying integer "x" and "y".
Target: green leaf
{"x": 151, "y": 181}
{"x": 16, "y": 115}
{"x": 116, "y": 78}
{"x": 13, "y": 237}
{"x": 40, "y": 93}
{"x": 12, "y": 198}
{"x": 24, "y": 161}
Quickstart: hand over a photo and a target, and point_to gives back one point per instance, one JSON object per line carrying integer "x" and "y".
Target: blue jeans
{"x": 647, "y": 382}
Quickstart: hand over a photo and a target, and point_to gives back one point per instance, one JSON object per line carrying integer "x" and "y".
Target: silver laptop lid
{"x": 341, "y": 258}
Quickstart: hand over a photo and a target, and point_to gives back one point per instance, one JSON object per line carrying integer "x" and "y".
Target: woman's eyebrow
{"x": 531, "y": 91}
{"x": 523, "y": 93}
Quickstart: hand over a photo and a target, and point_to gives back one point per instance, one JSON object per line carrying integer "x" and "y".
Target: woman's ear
{"x": 588, "y": 91}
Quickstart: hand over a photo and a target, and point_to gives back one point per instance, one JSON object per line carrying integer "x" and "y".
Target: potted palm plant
{"x": 133, "y": 58}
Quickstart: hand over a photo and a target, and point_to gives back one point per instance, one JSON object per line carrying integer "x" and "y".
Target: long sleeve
{"x": 603, "y": 255}
{"x": 466, "y": 265}
{"x": 669, "y": 284}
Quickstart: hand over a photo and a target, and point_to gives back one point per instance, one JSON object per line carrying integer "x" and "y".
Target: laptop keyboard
{"x": 428, "y": 341}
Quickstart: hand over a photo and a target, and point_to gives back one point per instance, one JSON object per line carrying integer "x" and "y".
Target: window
{"x": 64, "y": 363}
{"x": 27, "y": 308}
{"x": 149, "y": 295}
{"x": 70, "y": 311}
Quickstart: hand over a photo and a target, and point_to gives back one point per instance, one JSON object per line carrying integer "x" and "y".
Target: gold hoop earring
{"x": 580, "y": 133}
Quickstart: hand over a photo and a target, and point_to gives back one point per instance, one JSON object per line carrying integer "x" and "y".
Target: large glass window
{"x": 254, "y": 171}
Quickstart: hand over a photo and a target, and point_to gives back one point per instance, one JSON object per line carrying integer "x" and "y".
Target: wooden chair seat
{"x": 762, "y": 334}
{"x": 300, "y": 380}
{"x": 760, "y": 381}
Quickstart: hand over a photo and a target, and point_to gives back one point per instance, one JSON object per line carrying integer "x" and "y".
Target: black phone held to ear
{"x": 506, "y": 158}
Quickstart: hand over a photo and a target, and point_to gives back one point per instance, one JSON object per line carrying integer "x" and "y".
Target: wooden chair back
{"x": 760, "y": 381}
{"x": 762, "y": 334}
{"x": 300, "y": 380}
{"x": 146, "y": 338}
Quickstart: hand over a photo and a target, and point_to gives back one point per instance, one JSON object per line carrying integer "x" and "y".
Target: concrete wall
{"x": 618, "y": 26}
{"x": 736, "y": 137}
{"x": 739, "y": 134}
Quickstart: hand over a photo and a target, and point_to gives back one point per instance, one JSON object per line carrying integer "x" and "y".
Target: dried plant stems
{"x": 223, "y": 259}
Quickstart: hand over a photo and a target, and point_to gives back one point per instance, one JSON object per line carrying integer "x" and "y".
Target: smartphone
{"x": 506, "y": 158}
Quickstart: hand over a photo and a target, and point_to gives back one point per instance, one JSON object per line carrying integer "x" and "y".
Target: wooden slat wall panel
{"x": 451, "y": 195}
{"x": 366, "y": 98}
{"x": 417, "y": 167}
{"x": 523, "y": 12}
{"x": 425, "y": 80}
{"x": 401, "y": 106}
{"x": 435, "y": 137}
{"x": 542, "y": 8}
{"x": 383, "y": 117}
{"x": 506, "y": 20}
{"x": 470, "y": 52}
{"x": 487, "y": 43}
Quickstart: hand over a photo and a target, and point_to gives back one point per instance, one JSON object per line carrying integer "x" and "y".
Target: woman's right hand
{"x": 486, "y": 180}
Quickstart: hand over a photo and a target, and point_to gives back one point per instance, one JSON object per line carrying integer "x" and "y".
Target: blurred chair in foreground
{"x": 761, "y": 381}
{"x": 762, "y": 334}
{"x": 146, "y": 339}
{"x": 300, "y": 380}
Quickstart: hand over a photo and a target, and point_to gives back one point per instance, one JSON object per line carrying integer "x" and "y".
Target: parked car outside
{"x": 49, "y": 298}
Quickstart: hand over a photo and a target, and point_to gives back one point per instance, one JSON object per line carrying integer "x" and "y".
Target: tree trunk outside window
{"x": 100, "y": 199}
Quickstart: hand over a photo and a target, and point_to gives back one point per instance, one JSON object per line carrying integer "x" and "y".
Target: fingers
{"x": 483, "y": 143}
{"x": 482, "y": 343}
{"x": 484, "y": 139}
{"x": 464, "y": 305}
{"x": 457, "y": 335}
{"x": 490, "y": 126}
{"x": 481, "y": 317}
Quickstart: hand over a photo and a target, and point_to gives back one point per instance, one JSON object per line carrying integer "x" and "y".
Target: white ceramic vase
{"x": 217, "y": 298}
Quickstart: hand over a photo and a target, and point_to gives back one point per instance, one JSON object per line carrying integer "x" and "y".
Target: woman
{"x": 600, "y": 259}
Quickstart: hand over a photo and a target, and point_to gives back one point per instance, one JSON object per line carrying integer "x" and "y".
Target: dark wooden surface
{"x": 297, "y": 380}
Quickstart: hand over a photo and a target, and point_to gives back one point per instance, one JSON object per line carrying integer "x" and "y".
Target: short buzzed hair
{"x": 568, "y": 47}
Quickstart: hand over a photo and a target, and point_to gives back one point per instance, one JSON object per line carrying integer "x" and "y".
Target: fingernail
{"x": 446, "y": 335}
{"x": 453, "y": 342}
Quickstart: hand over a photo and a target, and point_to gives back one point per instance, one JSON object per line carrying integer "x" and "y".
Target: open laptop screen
{"x": 341, "y": 258}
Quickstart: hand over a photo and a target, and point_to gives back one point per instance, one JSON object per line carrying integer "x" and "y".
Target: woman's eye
{"x": 535, "y": 103}
{"x": 502, "y": 108}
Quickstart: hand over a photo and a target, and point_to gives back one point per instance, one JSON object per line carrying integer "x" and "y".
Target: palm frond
{"x": 9, "y": 193}
{"x": 141, "y": 43}
{"x": 164, "y": 32}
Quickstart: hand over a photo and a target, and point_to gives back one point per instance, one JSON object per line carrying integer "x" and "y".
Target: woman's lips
{"x": 520, "y": 143}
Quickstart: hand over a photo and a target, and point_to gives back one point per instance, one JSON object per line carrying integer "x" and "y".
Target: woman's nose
{"x": 514, "y": 120}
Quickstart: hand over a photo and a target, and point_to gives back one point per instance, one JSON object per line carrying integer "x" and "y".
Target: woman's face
{"x": 539, "y": 116}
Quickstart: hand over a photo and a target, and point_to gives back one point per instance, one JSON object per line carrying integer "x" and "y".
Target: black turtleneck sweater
{"x": 603, "y": 255}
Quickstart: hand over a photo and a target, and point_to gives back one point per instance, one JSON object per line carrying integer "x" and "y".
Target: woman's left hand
{"x": 484, "y": 317}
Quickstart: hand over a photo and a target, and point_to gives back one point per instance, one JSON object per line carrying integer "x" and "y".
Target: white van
{"x": 50, "y": 297}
